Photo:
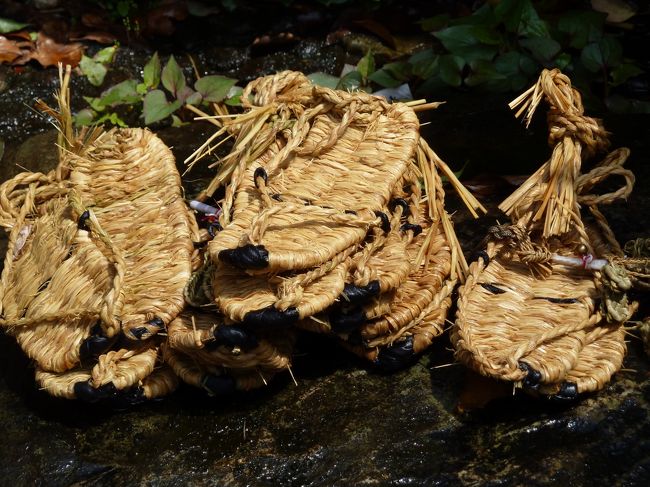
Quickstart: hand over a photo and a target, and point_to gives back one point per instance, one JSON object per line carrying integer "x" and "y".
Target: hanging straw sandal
{"x": 99, "y": 253}
{"x": 535, "y": 309}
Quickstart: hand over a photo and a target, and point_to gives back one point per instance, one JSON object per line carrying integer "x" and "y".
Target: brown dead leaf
{"x": 377, "y": 29}
{"x": 478, "y": 391}
{"x": 160, "y": 20}
{"x": 9, "y": 50}
{"x": 616, "y": 10}
{"x": 21, "y": 34}
{"x": 50, "y": 53}
{"x": 96, "y": 36}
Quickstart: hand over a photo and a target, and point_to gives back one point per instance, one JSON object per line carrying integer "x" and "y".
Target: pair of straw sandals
{"x": 331, "y": 219}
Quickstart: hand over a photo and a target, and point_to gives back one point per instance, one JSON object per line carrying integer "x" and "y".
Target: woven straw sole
{"x": 507, "y": 317}
{"x": 348, "y": 176}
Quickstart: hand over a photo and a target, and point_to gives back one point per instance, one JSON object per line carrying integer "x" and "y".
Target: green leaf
{"x": 233, "y": 101}
{"x": 392, "y": 75}
{"x": 94, "y": 71}
{"x": 234, "y": 96}
{"x": 563, "y": 60}
{"x": 94, "y": 103}
{"x": 484, "y": 71}
{"x": 120, "y": 94}
{"x": 582, "y": 27}
{"x": 141, "y": 89}
{"x": 623, "y": 72}
{"x": 84, "y": 117}
{"x": 177, "y": 122}
{"x": 323, "y": 79}
{"x": 434, "y": 23}
{"x": 366, "y": 66}
{"x": 470, "y": 41}
{"x": 528, "y": 65}
{"x": 8, "y": 25}
{"x": 112, "y": 118}
{"x": 152, "y": 72}
{"x": 513, "y": 77}
{"x": 384, "y": 78}
{"x": 350, "y": 82}
{"x": 172, "y": 76}
{"x": 194, "y": 99}
{"x": 542, "y": 48}
{"x": 484, "y": 15}
{"x": 451, "y": 68}
{"x": 603, "y": 54}
{"x": 214, "y": 88}
{"x": 424, "y": 63}
{"x": 620, "y": 104}
{"x": 156, "y": 107}
{"x": 105, "y": 56}
{"x": 95, "y": 68}
{"x": 520, "y": 17}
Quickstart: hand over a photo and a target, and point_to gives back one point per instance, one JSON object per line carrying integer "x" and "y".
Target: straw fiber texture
{"x": 331, "y": 152}
{"x": 524, "y": 315}
{"x": 201, "y": 347}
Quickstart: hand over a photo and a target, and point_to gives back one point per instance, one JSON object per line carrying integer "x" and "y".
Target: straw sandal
{"x": 220, "y": 358}
{"x": 99, "y": 248}
{"x": 527, "y": 313}
{"x": 325, "y": 175}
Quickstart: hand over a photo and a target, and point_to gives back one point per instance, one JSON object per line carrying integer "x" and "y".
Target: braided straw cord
{"x": 162, "y": 382}
{"x": 521, "y": 308}
{"x": 130, "y": 180}
{"x": 425, "y": 290}
{"x": 601, "y": 357}
{"x": 237, "y": 293}
{"x": 61, "y": 384}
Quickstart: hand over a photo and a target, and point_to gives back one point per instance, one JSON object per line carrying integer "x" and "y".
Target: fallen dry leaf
{"x": 478, "y": 391}
{"x": 616, "y": 10}
{"x": 97, "y": 36}
{"x": 9, "y": 50}
{"x": 50, "y": 53}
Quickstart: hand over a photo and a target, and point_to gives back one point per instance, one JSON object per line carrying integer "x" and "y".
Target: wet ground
{"x": 342, "y": 424}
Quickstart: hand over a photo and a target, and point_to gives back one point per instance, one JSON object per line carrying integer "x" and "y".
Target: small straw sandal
{"x": 219, "y": 358}
{"x": 534, "y": 309}
{"x": 100, "y": 250}
{"x": 123, "y": 376}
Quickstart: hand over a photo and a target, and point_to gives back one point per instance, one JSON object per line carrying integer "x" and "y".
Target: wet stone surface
{"x": 344, "y": 424}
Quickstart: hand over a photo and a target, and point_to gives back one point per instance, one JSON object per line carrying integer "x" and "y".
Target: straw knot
{"x": 588, "y": 131}
{"x": 517, "y": 240}
{"x": 106, "y": 369}
{"x": 615, "y": 283}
